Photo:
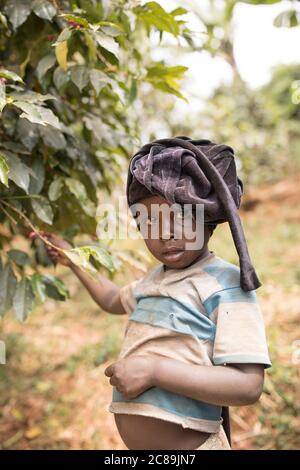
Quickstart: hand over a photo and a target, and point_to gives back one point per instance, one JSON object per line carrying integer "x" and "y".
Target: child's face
{"x": 169, "y": 250}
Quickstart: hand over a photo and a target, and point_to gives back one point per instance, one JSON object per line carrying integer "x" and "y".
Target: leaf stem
{"x": 8, "y": 215}
{"x": 33, "y": 228}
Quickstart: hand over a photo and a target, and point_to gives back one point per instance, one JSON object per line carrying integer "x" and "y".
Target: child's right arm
{"x": 105, "y": 293}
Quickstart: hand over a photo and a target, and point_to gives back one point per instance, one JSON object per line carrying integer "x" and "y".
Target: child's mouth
{"x": 173, "y": 255}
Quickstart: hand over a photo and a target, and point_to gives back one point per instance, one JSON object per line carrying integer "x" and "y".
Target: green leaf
{"x": 27, "y": 133}
{"x": 132, "y": 91}
{"x": 18, "y": 11}
{"x": 159, "y": 71}
{"x": 37, "y": 114}
{"x": 2, "y": 96}
{"x": 21, "y": 258}
{"x": 4, "y": 171}
{"x": 99, "y": 128}
{"x": 55, "y": 288}
{"x": 92, "y": 47}
{"x": 30, "y": 96}
{"x": 14, "y": 146}
{"x": 111, "y": 29}
{"x": 71, "y": 231}
{"x": 55, "y": 189}
{"x": 44, "y": 9}
{"x": 79, "y": 191}
{"x": 37, "y": 178}
{"x": 23, "y": 300}
{"x": 108, "y": 7}
{"x": 60, "y": 77}
{"x": 76, "y": 19}
{"x": 107, "y": 43}
{"x": 43, "y": 209}
{"x": 3, "y": 20}
{"x": 98, "y": 79}
{"x": 102, "y": 255}
{"x": 61, "y": 52}
{"x": 9, "y": 75}
{"x": 178, "y": 11}
{"x": 79, "y": 76}
{"x": 152, "y": 14}
{"x": 287, "y": 19}
{"x": 38, "y": 286}
{"x": 81, "y": 259}
{"x": 166, "y": 78}
{"x": 19, "y": 173}
{"x": 8, "y": 283}
{"x": 44, "y": 65}
{"x": 53, "y": 137}
{"x": 64, "y": 36}
{"x": 41, "y": 254}
{"x": 81, "y": 255}
{"x": 168, "y": 89}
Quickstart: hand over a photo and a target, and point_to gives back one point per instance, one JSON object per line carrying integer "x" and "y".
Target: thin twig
{"x": 33, "y": 228}
{"x": 8, "y": 215}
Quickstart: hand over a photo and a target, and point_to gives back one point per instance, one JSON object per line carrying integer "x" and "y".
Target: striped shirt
{"x": 196, "y": 315}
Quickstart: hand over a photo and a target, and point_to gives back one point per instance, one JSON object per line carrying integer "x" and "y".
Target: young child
{"x": 195, "y": 339}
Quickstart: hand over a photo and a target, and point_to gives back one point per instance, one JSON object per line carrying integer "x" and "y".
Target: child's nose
{"x": 167, "y": 231}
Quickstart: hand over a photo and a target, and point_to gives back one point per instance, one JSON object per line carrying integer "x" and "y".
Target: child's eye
{"x": 179, "y": 218}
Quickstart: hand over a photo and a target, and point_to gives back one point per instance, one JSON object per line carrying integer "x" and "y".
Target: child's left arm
{"x": 230, "y": 385}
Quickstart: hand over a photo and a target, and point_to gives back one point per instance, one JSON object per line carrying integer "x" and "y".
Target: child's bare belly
{"x": 141, "y": 432}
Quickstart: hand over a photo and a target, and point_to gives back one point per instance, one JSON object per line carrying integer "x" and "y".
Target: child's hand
{"x": 132, "y": 375}
{"x": 56, "y": 255}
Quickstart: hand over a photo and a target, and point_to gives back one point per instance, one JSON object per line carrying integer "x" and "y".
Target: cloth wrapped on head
{"x": 186, "y": 171}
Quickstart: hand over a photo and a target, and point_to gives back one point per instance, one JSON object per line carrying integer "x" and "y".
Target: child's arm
{"x": 231, "y": 385}
{"x": 104, "y": 292}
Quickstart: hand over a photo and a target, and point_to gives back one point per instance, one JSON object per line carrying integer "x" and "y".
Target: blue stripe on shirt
{"x": 171, "y": 314}
{"x": 226, "y": 274}
{"x": 176, "y": 404}
{"x": 235, "y": 294}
